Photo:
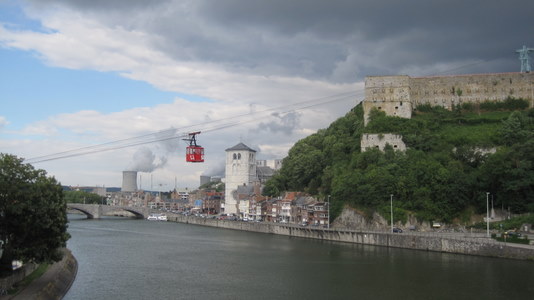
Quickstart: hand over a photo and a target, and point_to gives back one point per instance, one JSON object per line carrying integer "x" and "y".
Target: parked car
{"x": 512, "y": 233}
{"x": 397, "y": 230}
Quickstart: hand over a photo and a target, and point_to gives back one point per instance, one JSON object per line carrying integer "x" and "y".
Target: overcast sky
{"x": 77, "y": 73}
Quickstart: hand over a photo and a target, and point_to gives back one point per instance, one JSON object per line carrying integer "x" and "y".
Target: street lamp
{"x": 391, "y": 201}
{"x": 328, "y": 225}
{"x": 487, "y": 214}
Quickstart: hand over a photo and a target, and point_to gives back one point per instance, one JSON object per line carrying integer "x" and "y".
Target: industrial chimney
{"x": 129, "y": 181}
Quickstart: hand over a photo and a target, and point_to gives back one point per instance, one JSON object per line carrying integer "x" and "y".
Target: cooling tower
{"x": 129, "y": 181}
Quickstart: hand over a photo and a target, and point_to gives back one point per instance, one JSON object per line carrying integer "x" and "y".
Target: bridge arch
{"x": 95, "y": 211}
{"x": 84, "y": 211}
{"x": 137, "y": 214}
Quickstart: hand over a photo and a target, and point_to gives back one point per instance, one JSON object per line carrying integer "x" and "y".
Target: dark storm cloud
{"x": 337, "y": 41}
{"x": 284, "y": 123}
{"x": 421, "y": 32}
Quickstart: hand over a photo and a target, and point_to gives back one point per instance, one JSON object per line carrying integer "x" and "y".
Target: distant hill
{"x": 90, "y": 189}
{"x": 453, "y": 159}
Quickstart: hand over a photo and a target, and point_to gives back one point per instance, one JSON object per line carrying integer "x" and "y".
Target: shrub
{"x": 509, "y": 104}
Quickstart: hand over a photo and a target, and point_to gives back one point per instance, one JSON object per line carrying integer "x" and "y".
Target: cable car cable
{"x": 173, "y": 130}
{"x": 55, "y": 157}
{"x": 96, "y": 148}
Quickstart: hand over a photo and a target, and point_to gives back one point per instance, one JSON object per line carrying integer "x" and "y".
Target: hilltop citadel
{"x": 400, "y": 95}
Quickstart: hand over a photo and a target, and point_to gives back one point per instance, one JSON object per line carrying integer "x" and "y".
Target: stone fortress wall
{"x": 390, "y": 94}
{"x": 380, "y": 141}
{"x": 399, "y": 95}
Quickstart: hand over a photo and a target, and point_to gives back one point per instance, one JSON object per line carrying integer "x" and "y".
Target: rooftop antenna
{"x": 524, "y": 58}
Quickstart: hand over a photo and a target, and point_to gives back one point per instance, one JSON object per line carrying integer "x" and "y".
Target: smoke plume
{"x": 216, "y": 170}
{"x": 144, "y": 160}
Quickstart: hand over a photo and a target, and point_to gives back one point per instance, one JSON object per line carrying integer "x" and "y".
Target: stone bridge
{"x": 95, "y": 211}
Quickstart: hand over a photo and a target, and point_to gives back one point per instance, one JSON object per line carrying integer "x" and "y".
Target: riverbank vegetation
{"x": 82, "y": 197}
{"x": 514, "y": 223}
{"x": 37, "y": 273}
{"x": 453, "y": 159}
{"x": 33, "y": 219}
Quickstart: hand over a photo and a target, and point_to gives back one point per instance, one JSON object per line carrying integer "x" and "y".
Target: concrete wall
{"x": 18, "y": 275}
{"x": 471, "y": 246}
{"x": 129, "y": 181}
{"x": 53, "y": 284}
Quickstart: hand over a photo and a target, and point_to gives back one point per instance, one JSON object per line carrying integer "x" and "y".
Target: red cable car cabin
{"x": 194, "y": 152}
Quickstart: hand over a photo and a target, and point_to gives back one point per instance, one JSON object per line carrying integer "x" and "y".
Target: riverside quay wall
{"x": 446, "y": 243}
{"x": 53, "y": 284}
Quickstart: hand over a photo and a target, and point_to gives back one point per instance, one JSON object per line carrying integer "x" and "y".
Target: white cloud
{"x": 246, "y": 57}
{"x": 86, "y": 128}
{"x": 3, "y": 122}
{"x": 76, "y": 40}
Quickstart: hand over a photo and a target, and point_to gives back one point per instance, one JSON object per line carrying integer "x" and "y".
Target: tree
{"x": 82, "y": 197}
{"x": 514, "y": 129}
{"x": 442, "y": 173}
{"x": 33, "y": 219}
{"x": 509, "y": 174}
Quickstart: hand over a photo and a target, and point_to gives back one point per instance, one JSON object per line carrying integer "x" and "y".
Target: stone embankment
{"x": 458, "y": 243}
{"x": 53, "y": 284}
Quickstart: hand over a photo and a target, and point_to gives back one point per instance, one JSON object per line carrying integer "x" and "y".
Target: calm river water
{"x": 122, "y": 258}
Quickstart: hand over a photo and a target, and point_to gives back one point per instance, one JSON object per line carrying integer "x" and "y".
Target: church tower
{"x": 240, "y": 170}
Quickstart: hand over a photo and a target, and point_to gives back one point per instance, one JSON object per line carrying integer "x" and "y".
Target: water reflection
{"x": 138, "y": 259}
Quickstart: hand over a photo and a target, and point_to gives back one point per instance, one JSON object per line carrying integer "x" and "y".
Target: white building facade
{"x": 240, "y": 170}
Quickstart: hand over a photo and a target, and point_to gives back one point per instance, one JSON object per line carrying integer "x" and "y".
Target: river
{"x": 121, "y": 258}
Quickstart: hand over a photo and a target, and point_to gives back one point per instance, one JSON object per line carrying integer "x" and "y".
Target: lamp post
{"x": 391, "y": 201}
{"x": 328, "y": 224}
{"x": 487, "y": 214}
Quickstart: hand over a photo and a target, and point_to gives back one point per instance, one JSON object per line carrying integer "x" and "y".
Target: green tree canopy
{"x": 446, "y": 170}
{"x": 82, "y": 197}
{"x": 33, "y": 219}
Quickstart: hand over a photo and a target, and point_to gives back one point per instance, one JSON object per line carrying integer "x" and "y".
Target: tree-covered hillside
{"x": 445, "y": 173}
